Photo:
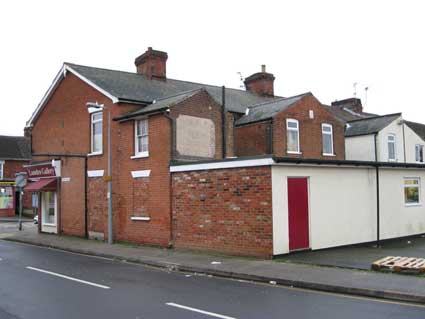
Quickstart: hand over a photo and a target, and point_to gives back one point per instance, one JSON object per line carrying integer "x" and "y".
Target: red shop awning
{"x": 42, "y": 185}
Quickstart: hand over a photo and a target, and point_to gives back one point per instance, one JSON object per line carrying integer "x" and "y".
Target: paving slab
{"x": 331, "y": 279}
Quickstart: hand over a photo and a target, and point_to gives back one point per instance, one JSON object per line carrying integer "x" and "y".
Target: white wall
{"x": 411, "y": 139}
{"x": 360, "y": 148}
{"x": 382, "y": 144}
{"x": 342, "y": 205}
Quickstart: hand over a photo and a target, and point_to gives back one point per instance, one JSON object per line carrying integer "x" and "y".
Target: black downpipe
{"x": 378, "y": 209}
{"x": 223, "y": 121}
{"x": 86, "y": 210}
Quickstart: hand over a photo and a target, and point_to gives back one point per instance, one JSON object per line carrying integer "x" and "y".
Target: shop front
{"x": 7, "y": 199}
{"x": 43, "y": 181}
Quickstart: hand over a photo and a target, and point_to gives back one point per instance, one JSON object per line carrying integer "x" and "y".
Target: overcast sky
{"x": 318, "y": 46}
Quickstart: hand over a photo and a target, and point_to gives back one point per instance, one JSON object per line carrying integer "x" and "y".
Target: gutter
{"x": 131, "y": 116}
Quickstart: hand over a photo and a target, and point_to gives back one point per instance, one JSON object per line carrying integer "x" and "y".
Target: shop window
{"x": 412, "y": 191}
{"x": 141, "y": 138}
{"x": 327, "y": 140}
{"x": 1, "y": 169}
{"x": 419, "y": 153}
{"x": 6, "y": 197}
{"x": 391, "y": 147}
{"x": 96, "y": 132}
{"x": 292, "y": 136}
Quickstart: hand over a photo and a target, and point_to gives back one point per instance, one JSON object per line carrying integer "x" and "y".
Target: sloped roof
{"x": 370, "y": 125}
{"x": 134, "y": 87}
{"x": 15, "y": 147}
{"x": 268, "y": 110}
{"x": 346, "y": 115}
{"x": 418, "y": 128}
{"x": 161, "y": 104}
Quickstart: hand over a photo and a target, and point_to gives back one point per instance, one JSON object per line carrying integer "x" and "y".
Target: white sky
{"x": 318, "y": 46}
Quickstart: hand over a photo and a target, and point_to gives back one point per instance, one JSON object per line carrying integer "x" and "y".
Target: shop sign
{"x": 44, "y": 170}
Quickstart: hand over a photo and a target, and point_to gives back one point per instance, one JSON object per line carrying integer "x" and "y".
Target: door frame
{"x": 48, "y": 227}
{"x": 308, "y": 211}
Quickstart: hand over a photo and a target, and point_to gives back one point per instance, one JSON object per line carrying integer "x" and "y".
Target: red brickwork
{"x": 227, "y": 210}
{"x": 252, "y": 139}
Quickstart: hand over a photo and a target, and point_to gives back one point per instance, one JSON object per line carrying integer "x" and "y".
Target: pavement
{"x": 329, "y": 279}
{"x": 37, "y": 282}
{"x": 362, "y": 256}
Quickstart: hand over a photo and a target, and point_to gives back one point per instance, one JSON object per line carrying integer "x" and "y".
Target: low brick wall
{"x": 224, "y": 210}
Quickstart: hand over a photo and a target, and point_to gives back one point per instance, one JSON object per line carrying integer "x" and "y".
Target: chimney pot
{"x": 263, "y": 68}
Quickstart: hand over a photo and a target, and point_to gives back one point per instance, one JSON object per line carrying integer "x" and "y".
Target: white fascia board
{"x": 59, "y": 77}
{"x": 138, "y": 174}
{"x": 221, "y": 165}
{"x": 95, "y": 173}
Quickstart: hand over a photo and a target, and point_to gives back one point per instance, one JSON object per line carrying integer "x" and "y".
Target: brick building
{"x": 14, "y": 153}
{"x": 155, "y": 121}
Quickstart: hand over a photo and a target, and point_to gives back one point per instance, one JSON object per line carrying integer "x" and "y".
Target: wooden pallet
{"x": 398, "y": 264}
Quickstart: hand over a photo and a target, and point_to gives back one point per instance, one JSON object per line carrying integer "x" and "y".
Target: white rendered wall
{"x": 360, "y": 148}
{"x": 382, "y": 142}
{"x": 342, "y": 205}
{"x": 411, "y": 139}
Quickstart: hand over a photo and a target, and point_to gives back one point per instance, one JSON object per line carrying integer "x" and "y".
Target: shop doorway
{"x": 49, "y": 212}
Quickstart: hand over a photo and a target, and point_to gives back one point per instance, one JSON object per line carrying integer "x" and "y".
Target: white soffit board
{"x": 138, "y": 174}
{"x": 221, "y": 165}
{"x": 95, "y": 173}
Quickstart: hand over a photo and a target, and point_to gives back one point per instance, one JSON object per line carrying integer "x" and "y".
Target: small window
{"x": 292, "y": 136}
{"x": 141, "y": 137}
{"x": 419, "y": 153}
{"x": 412, "y": 191}
{"x": 1, "y": 169}
{"x": 96, "y": 132}
{"x": 327, "y": 140}
{"x": 391, "y": 147}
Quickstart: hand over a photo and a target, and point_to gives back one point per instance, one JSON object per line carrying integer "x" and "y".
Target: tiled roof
{"x": 369, "y": 125}
{"x": 133, "y": 87}
{"x": 268, "y": 110}
{"x": 346, "y": 115}
{"x": 14, "y": 147}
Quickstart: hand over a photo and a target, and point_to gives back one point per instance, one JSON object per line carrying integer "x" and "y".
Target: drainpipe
{"x": 170, "y": 181}
{"x": 223, "y": 121}
{"x": 378, "y": 217}
{"x": 86, "y": 211}
{"x": 404, "y": 143}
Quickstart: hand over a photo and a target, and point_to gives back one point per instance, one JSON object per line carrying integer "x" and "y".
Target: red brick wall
{"x": 252, "y": 139}
{"x": 226, "y": 210}
{"x": 310, "y": 130}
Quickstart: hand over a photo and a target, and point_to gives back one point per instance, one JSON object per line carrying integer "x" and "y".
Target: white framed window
{"x": 1, "y": 169}
{"x": 412, "y": 191}
{"x": 327, "y": 139}
{"x": 292, "y": 136}
{"x": 419, "y": 153}
{"x": 141, "y": 138}
{"x": 391, "y": 142}
{"x": 96, "y": 133}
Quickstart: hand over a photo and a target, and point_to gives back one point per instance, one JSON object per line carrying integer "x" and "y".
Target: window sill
{"x": 48, "y": 224}
{"x": 95, "y": 154}
{"x": 140, "y": 155}
{"x": 290, "y": 152}
{"x": 325, "y": 154}
{"x": 142, "y": 218}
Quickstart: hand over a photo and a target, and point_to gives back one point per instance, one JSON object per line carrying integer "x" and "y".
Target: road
{"x": 44, "y": 283}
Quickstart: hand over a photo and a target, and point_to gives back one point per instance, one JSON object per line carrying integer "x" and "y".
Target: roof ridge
{"x": 278, "y": 100}
{"x": 14, "y": 136}
{"x": 374, "y": 117}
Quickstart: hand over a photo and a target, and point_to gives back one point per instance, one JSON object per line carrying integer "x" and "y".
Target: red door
{"x": 298, "y": 213}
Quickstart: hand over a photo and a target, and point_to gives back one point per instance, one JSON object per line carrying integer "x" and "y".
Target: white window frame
{"x": 298, "y": 135}
{"x": 395, "y": 147}
{"x": 1, "y": 169}
{"x": 92, "y": 122}
{"x": 331, "y": 133}
{"x": 137, "y": 152}
{"x": 419, "y": 203}
{"x": 418, "y": 147}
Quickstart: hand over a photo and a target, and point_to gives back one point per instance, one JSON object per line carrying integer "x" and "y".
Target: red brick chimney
{"x": 353, "y": 104}
{"x": 260, "y": 83}
{"x": 152, "y": 64}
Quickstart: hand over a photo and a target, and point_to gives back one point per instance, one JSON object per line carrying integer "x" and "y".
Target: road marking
{"x": 69, "y": 278}
{"x": 212, "y": 314}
